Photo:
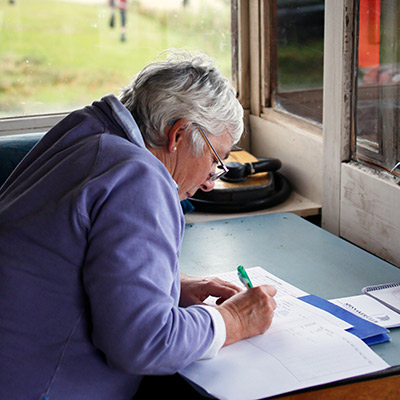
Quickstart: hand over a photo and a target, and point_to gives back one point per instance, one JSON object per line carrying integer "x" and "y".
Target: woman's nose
{"x": 208, "y": 185}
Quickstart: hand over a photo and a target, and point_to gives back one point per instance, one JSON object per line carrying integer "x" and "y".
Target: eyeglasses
{"x": 221, "y": 164}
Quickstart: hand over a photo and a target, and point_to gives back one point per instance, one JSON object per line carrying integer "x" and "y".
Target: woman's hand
{"x": 248, "y": 313}
{"x": 195, "y": 290}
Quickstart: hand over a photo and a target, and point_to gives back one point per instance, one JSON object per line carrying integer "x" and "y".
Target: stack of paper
{"x": 305, "y": 346}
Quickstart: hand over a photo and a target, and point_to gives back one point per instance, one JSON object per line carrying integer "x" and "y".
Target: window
{"x": 58, "y": 55}
{"x": 377, "y": 108}
{"x": 296, "y": 79}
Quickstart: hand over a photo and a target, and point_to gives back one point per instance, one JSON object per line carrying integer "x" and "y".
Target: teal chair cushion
{"x": 13, "y": 148}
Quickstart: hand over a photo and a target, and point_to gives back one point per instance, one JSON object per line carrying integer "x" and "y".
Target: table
{"x": 300, "y": 253}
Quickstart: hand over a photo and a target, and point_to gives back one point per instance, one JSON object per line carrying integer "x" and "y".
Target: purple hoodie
{"x": 90, "y": 233}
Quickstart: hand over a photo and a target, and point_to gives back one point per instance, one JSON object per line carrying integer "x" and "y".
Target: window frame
{"x": 29, "y": 123}
{"x": 387, "y": 154}
{"x": 358, "y": 202}
{"x": 269, "y": 75}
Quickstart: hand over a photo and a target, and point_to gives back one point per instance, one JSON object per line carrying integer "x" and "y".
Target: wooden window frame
{"x": 384, "y": 152}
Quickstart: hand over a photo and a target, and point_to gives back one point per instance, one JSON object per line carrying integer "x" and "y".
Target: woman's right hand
{"x": 248, "y": 313}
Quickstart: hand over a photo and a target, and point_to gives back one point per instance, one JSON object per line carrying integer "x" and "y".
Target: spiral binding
{"x": 383, "y": 286}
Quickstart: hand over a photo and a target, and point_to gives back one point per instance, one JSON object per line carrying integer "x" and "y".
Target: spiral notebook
{"x": 388, "y": 294}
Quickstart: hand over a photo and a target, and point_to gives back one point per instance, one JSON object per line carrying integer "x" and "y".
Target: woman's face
{"x": 194, "y": 173}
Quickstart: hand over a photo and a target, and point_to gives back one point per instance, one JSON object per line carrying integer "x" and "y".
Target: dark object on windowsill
{"x": 251, "y": 184}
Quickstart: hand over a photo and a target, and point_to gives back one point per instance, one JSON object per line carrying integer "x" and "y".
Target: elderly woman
{"x": 91, "y": 227}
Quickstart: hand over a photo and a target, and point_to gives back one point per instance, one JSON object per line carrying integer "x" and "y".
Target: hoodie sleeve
{"x": 131, "y": 271}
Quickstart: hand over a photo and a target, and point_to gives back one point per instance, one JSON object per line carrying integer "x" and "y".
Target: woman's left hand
{"x": 195, "y": 290}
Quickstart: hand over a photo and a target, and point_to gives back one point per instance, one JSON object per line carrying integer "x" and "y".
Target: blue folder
{"x": 369, "y": 332}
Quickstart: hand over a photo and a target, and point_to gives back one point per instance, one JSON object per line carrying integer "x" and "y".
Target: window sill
{"x": 296, "y": 204}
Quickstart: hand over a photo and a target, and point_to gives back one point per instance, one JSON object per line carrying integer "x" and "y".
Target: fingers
{"x": 270, "y": 290}
{"x": 225, "y": 284}
{"x": 222, "y": 289}
{"x": 196, "y": 290}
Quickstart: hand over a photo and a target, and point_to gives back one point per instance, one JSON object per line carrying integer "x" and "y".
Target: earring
{"x": 174, "y": 148}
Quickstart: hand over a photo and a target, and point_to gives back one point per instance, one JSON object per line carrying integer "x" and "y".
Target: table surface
{"x": 293, "y": 249}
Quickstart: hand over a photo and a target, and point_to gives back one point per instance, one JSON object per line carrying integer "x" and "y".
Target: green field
{"x": 56, "y": 55}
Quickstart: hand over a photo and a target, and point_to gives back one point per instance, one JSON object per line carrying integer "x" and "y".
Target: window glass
{"x": 378, "y": 83}
{"x": 57, "y": 55}
{"x": 300, "y": 44}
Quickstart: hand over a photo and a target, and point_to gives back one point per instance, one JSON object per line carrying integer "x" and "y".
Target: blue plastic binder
{"x": 369, "y": 332}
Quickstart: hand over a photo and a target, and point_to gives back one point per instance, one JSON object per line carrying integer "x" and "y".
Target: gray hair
{"x": 188, "y": 87}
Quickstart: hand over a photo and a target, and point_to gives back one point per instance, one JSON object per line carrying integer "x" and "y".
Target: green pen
{"x": 244, "y": 278}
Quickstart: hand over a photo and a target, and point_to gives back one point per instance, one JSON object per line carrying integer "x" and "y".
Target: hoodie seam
{"x": 45, "y": 395}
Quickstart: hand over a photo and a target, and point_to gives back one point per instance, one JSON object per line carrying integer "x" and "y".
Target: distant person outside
{"x": 122, "y": 6}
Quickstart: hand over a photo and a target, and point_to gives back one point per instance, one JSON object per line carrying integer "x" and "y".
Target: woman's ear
{"x": 175, "y": 134}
